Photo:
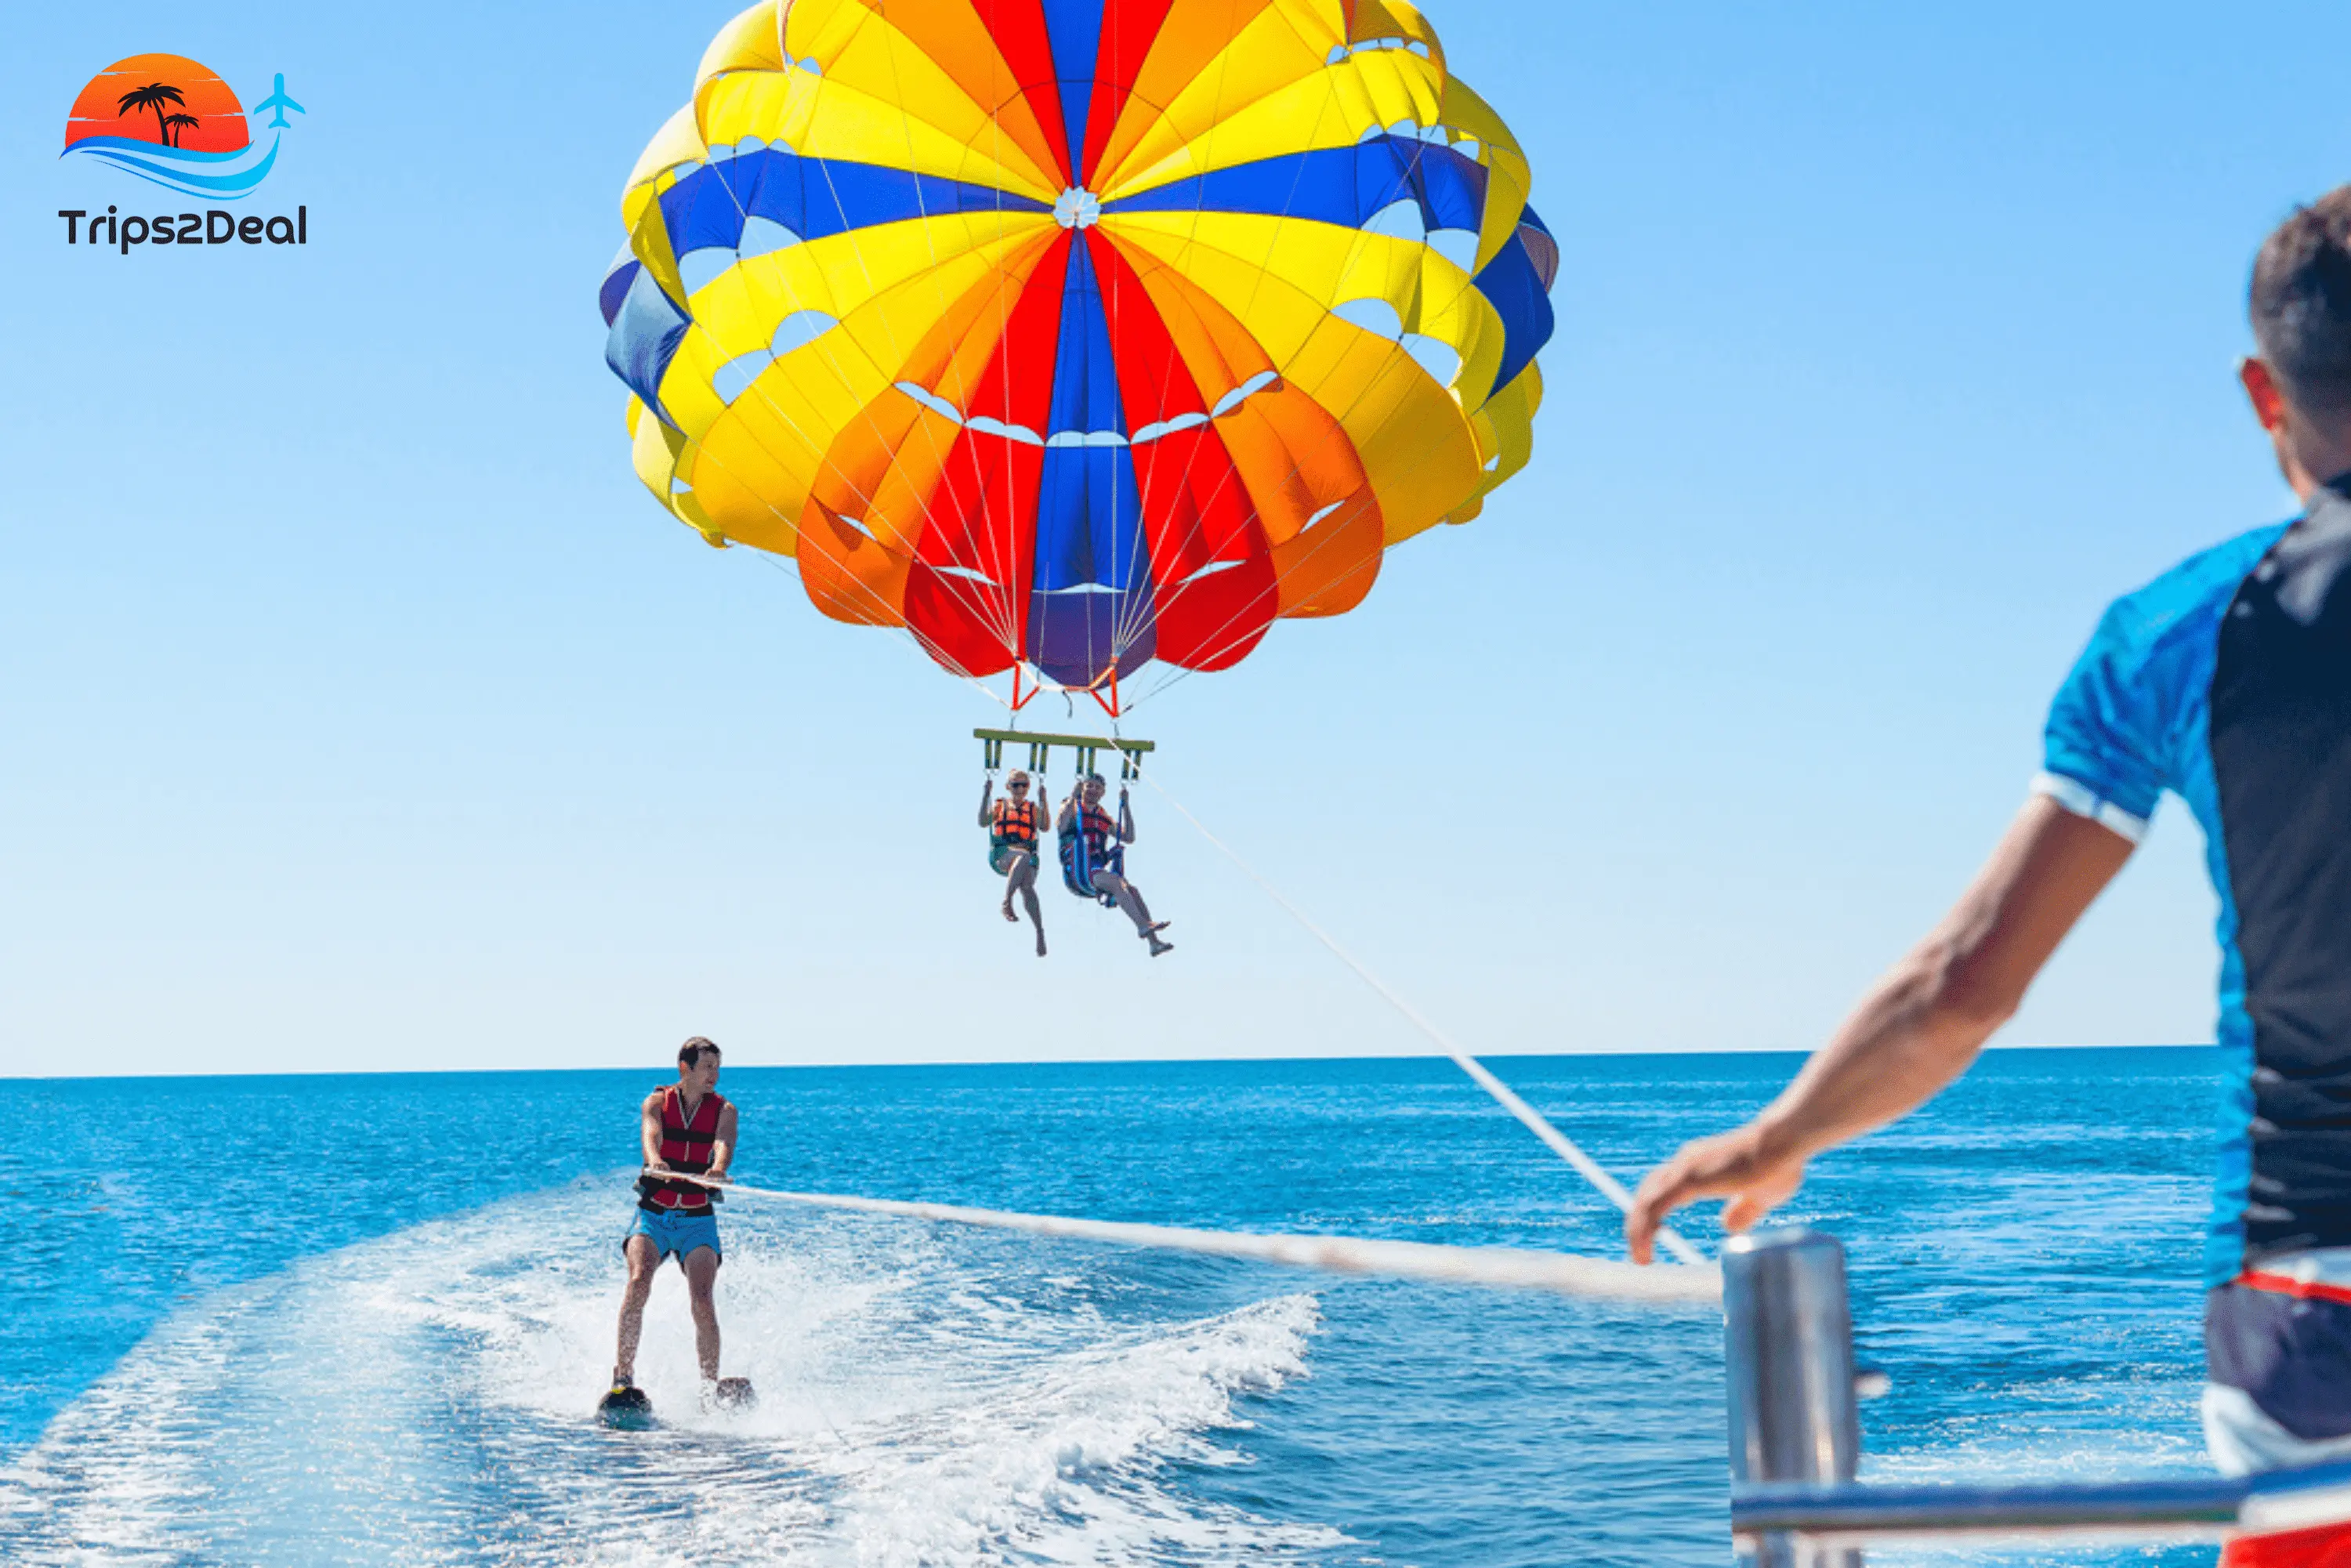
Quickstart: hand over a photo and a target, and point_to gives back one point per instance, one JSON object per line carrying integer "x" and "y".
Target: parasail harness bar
{"x": 1040, "y": 749}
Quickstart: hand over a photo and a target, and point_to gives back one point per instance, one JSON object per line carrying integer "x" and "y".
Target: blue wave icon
{"x": 223, "y": 176}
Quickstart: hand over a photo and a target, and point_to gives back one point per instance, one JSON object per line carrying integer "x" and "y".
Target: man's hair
{"x": 2300, "y": 303}
{"x": 690, "y": 1054}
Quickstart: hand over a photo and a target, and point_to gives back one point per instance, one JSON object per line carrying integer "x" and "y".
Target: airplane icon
{"x": 278, "y": 102}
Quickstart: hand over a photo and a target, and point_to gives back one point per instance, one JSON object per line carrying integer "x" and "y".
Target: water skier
{"x": 1014, "y": 825}
{"x": 2228, "y": 682}
{"x": 1094, "y": 857}
{"x": 687, "y": 1128}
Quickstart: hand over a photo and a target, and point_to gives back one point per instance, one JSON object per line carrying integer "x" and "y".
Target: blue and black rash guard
{"x": 2228, "y": 681}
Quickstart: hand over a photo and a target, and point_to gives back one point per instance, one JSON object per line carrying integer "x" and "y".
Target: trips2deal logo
{"x": 170, "y": 121}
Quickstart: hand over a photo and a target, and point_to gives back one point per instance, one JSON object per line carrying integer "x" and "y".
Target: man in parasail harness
{"x": 1014, "y": 825}
{"x": 687, "y": 1128}
{"x": 1094, "y": 857}
{"x": 2228, "y": 682}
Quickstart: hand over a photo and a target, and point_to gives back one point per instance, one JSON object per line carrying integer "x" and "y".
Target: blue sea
{"x": 363, "y": 1319}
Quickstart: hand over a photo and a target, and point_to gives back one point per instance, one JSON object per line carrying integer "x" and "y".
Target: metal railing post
{"x": 1788, "y": 1356}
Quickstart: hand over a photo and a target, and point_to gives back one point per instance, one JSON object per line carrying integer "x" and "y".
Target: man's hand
{"x": 1742, "y": 1166}
{"x": 658, "y": 1168}
{"x": 1918, "y": 1028}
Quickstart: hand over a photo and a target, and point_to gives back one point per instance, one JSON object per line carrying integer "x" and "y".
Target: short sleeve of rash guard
{"x": 2113, "y": 739}
{"x": 2104, "y": 755}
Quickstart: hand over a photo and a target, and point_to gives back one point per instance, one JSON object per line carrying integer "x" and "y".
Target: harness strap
{"x": 1078, "y": 862}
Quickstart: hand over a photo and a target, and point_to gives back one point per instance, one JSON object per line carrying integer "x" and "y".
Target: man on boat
{"x": 1094, "y": 857}
{"x": 1014, "y": 825}
{"x": 686, "y": 1128}
{"x": 2227, "y": 681}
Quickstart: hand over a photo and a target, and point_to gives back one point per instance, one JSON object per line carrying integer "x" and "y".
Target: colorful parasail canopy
{"x": 1071, "y": 334}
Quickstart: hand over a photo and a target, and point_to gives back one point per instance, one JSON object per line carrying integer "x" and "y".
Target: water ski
{"x": 733, "y": 1394}
{"x": 625, "y": 1409}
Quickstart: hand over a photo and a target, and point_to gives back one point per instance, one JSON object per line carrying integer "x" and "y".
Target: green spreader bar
{"x": 1040, "y": 749}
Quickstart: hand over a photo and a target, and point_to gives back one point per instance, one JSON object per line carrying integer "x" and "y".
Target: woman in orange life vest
{"x": 688, "y": 1128}
{"x": 1094, "y": 857}
{"x": 1014, "y": 825}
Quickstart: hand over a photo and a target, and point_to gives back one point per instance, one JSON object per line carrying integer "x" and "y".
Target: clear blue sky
{"x": 361, "y": 712}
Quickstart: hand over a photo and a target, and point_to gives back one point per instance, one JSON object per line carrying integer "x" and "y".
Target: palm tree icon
{"x": 180, "y": 124}
{"x": 153, "y": 96}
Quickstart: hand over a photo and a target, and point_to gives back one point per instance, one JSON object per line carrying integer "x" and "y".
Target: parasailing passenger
{"x": 1014, "y": 825}
{"x": 1094, "y": 857}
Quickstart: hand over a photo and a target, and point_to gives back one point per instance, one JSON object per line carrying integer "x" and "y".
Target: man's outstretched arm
{"x": 1918, "y": 1028}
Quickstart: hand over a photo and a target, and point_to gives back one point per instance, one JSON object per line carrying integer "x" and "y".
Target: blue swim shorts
{"x": 675, "y": 1233}
{"x": 2277, "y": 1357}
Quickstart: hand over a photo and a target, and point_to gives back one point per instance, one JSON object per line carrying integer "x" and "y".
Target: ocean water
{"x": 362, "y": 1319}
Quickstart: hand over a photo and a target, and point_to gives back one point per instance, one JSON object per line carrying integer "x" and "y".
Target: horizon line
{"x": 1048, "y": 1062}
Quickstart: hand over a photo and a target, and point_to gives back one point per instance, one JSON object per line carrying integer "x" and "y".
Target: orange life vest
{"x": 1013, "y": 824}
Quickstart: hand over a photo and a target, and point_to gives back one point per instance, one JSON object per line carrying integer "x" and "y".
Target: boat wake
{"x": 928, "y": 1398}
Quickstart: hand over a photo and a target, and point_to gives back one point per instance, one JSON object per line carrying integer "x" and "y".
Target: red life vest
{"x": 685, "y": 1145}
{"x": 1013, "y": 824}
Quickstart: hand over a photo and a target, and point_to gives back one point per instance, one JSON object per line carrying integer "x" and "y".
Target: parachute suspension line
{"x": 1597, "y": 1279}
{"x": 1002, "y": 618}
{"x": 1007, "y": 618}
{"x": 963, "y": 595}
{"x": 1125, "y": 635}
{"x": 1533, "y": 1120}
{"x": 833, "y": 362}
{"x": 704, "y": 455}
{"x": 1395, "y": 350}
{"x": 1216, "y": 650}
{"x": 1175, "y": 674}
{"x": 938, "y": 655}
{"x": 921, "y": 645}
{"x": 1263, "y": 267}
{"x": 1000, "y": 615}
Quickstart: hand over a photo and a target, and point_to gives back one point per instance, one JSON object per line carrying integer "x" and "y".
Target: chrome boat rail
{"x": 1796, "y": 1443}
